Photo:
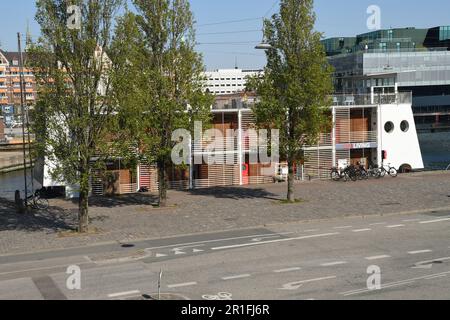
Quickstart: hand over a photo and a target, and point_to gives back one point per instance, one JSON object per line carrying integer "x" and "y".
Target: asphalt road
{"x": 408, "y": 257}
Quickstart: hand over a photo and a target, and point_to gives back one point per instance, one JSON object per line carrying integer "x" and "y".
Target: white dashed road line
{"x": 378, "y": 257}
{"x": 287, "y": 270}
{"x": 419, "y": 252}
{"x": 396, "y": 226}
{"x": 435, "y": 221}
{"x": 181, "y": 285}
{"x": 362, "y": 230}
{"x": 123, "y": 294}
{"x": 331, "y": 264}
{"x": 241, "y": 276}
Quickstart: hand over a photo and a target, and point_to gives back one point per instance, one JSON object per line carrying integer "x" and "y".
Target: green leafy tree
{"x": 74, "y": 102}
{"x": 295, "y": 87}
{"x": 164, "y": 71}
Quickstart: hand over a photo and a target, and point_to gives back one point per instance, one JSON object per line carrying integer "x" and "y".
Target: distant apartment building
{"x": 406, "y": 59}
{"x": 10, "y": 100}
{"x": 227, "y": 81}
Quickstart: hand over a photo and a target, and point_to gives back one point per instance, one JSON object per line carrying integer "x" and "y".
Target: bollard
{"x": 20, "y": 206}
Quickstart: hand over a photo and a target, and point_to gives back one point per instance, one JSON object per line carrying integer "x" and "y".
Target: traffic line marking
{"x": 241, "y": 276}
{"x": 298, "y": 284}
{"x": 343, "y": 227}
{"x": 274, "y": 241}
{"x": 287, "y": 270}
{"x": 419, "y": 252}
{"x": 160, "y": 255}
{"x": 385, "y": 256}
{"x": 436, "y": 277}
{"x": 434, "y": 221}
{"x": 331, "y": 264}
{"x": 181, "y": 285}
{"x": 362, "y": 230}
{"x": 395, "y": 284}
{"x": 122, "y": 294}
{"x": 377, "y": 224}
{"x": 396, "y": 226}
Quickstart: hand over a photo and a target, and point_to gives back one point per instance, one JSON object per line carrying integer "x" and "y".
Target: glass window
{"x": 389, "y": 127}
{"x": 404, "y": 126}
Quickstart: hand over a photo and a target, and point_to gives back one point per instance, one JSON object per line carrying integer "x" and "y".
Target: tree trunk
{"x": 83, "y": 208}
{"x": 290, "y": 193}
{"x": 162, "y": 180}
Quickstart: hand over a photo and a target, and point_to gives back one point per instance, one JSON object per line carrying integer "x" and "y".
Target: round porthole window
{"x": 389, "y": 127}
{"x": 404, "y": 126}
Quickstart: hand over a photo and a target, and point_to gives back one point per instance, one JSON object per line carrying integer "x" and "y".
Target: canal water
{"x": 435, "y": 151}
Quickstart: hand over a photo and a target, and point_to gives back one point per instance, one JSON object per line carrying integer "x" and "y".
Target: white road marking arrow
{"x": 298, "y": 284}
{"x": 160, "y": 255}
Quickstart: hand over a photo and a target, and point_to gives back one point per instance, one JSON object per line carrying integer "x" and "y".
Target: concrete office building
{"x": 227, "y": 81}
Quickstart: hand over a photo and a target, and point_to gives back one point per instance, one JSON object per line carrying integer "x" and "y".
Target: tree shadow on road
{"x": 52, "y": 220}
{"x": 122, "y": 200}
{"x": 236, "y": 193}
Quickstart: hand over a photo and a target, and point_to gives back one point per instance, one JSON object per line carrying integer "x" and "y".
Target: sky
{"x": 334, "y": 18}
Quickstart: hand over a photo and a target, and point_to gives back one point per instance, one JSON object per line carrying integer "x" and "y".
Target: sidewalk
{"x": 131, "y": 218}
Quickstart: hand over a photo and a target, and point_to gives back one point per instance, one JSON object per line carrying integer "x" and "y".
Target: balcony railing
{"x": 368, "y": 99}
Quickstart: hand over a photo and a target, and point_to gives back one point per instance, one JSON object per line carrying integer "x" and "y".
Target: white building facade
{"x": 228, "y": 81}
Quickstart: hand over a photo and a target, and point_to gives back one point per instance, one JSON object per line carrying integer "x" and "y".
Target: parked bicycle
{"x": 388, "y": 169}
{"x": 374, "y": 171}
{"x": 37, "y": 201}
{"x": 349, "y": 173}
{"x": 337, "y": 174}
{"x": 361, "y": 172}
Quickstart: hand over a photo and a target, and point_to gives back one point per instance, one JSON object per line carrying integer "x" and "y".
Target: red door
{"x": 245, "y": 173}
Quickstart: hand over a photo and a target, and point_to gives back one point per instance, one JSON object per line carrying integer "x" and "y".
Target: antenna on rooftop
{"x": 236, "y": 63}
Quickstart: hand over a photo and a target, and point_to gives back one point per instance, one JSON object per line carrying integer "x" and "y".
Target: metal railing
{"x": 368, "y": 99}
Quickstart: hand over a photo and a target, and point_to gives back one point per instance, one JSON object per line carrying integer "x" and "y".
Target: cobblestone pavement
{"x": 129, "y": 218}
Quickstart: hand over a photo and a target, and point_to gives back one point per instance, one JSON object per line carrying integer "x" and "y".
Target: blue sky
{"x": 334, "y": 18}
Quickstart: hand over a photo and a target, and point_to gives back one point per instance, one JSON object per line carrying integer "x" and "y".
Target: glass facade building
{"x": 407, "y": 59}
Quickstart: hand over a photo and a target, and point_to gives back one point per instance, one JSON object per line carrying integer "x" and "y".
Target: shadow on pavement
{"x": 122, "y": 200}
{"x": 236, "y": 193}
{"x": 52, "y": 220}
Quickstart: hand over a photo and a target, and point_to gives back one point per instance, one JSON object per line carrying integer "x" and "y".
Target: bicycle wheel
{"x": 335, "y": 176}
{"x": 41, "y": 204}
{"x": 345, "y": 177}
{"x": 393, "y": 172}
{"x": 364, "y": 175}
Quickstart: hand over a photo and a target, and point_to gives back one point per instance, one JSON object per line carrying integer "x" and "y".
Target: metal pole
{"x": 23, "y": 119}
{"x": 159, "y": 285}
